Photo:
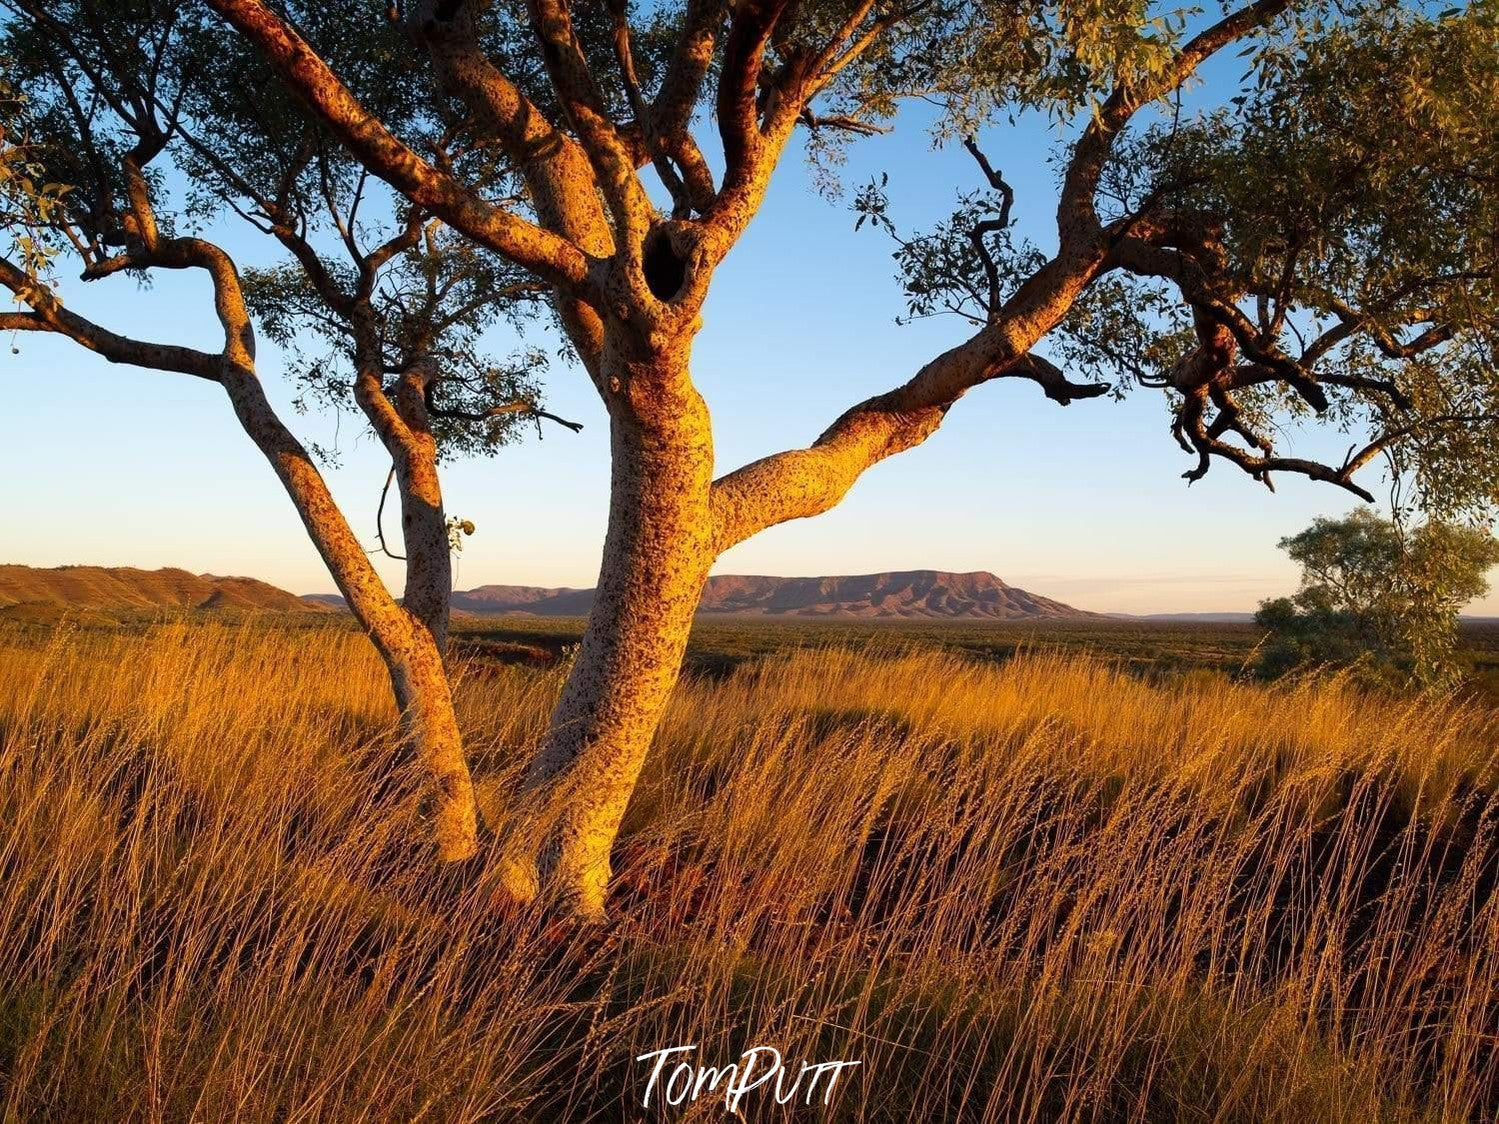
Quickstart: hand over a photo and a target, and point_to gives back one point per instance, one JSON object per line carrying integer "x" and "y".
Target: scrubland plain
{"x": 1038, "y": 888}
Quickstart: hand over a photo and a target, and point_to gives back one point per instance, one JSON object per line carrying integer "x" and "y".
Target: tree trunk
{"x": 428, "y": 593}
{"x": 657, "y": 554}
{"x": 411, "y": 652}
{"x": 429, "y": 726}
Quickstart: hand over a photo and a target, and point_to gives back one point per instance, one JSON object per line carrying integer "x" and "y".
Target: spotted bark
{"x": 428, "y": 592}
{"x": 429, "y": 726}
{"x": 657, "y": 554}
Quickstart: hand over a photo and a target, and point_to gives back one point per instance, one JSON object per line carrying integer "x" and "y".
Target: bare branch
{"x": 380, "y": 518}
{"x": 624, "y": 57}
{"x": 1192, "y": 430}
{"x": 1001, "y": 222}
{"x": 841, "y": 122}
{"x": 798, "y": 483}
{"x": 1052, "y": 381}
{"x": 48, "y": 314}
{"x": 504, "y": 409}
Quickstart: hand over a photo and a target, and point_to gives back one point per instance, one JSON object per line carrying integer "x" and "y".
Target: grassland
{"x": 719, "y": 644}
{"x": 1154, "y": 649}
{"x": 1037, "y": 887}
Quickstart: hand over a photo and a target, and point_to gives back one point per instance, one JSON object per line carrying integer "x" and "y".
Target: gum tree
{"x": 121, "y": 142}
{"x": 1319, "y": 244}
{"x": 1378, "y": 597}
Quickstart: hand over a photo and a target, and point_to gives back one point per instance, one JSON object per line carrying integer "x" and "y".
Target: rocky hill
{"x": 908, "y": 594}
{"x": 28, "y": 591}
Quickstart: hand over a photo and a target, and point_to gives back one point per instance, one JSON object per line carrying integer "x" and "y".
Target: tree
{"x": 1318, "y": 243}
{"x": 123, "y": 139}
{"x": 1374, "y": 597}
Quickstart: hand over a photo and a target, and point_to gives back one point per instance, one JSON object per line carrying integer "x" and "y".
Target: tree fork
{"x": 410, "y": 652}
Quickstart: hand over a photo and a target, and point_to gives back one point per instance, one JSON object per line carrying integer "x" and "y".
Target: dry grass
{"x": 1036, "y": 891}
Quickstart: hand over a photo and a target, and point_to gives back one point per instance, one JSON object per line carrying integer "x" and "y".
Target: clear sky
{"x": 1086, "y": 504}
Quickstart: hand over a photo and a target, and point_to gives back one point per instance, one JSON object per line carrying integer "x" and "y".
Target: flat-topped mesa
{"x": 903, "y": 594}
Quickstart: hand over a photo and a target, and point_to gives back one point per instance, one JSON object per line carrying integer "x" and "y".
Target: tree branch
{"x": 48, "y": 314}
{"x": 1077, "y": 216}
{"x": 504, "y": 409}
{"x": 544, "y": 253}
{"x": 797, "y": 483}
{"x": 380, "y": 518}
{"x": 998, "y": 224}
{"x": 1207, "y": 443}
{"x": 572, "y": 80}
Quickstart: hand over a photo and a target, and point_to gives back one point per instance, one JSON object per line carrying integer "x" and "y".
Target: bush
{"x": 1377, "y": 599}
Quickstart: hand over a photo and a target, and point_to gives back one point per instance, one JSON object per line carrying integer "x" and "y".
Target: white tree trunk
{"x": 428, "y": 592}
{"x": 657, "y": 554}
{"x": 429, "y": 727}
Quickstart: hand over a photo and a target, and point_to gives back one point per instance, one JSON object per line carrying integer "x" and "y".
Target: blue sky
{"x": 117, "y": 466}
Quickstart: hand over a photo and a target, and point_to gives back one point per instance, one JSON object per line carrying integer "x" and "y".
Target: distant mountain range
{"x": 28, "y": 591}
{"x": 1198, "y": 618}
{"x": 907, "y": 594}
{"x": 911, "y": 594}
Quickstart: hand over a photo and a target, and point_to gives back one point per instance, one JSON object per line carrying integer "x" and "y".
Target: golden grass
{"x": 1032, "y": 891}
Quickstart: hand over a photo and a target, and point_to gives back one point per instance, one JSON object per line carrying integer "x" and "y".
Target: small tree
{"x": 1376, "y": 597}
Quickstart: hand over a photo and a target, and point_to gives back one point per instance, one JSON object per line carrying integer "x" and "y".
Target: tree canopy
{"x": 1320, "y": 243}
{"x": 1378, "y": 598}
{"x": 104, "y": 93}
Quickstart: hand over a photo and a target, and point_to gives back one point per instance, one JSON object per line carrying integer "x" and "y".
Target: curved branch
{"x": 1077, "y": 215}
{"x": 1193, "y": 432}
{"x": 739, "y": 83}
{"x": 49, "y": 315}
{"x": 544, "y": 253}
{"x": 998, "y": 224}
{"x": 380, "y": 518}
{"x": 1052, "y": 381}
{"x": 798, "y": 483}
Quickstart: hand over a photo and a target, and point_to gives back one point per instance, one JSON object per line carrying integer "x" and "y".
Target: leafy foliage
{"x": 1377, "y": 598}
{"x": 29, "y": 202}
{"x": 1357, "y": 192}
{"x": 435, "y": 300}
{"x": 982, "y": 59}
{"x": 1318, "y": 244}
{"x": 357, "y": 277}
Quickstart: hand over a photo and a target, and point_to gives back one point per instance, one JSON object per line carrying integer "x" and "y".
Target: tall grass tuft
{"x": 1032, "y": 891}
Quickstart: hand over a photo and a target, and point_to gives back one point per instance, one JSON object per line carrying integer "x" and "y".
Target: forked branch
{"x": 546, "y": 254}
